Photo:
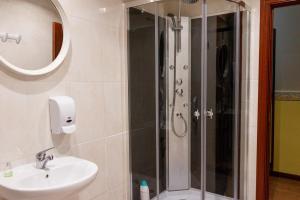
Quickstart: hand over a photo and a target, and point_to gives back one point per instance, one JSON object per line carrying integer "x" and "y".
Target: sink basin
{"x": 65, "y": 176}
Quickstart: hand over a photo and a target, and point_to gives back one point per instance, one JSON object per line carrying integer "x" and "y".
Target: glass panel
{"x": 221, "y": 93}
{"x": 162, "y": 103}
{"x": 142, "y": 97}
{"x": 196, "y": 42}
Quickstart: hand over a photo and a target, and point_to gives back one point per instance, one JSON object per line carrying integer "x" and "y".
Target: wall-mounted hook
{"x": 3, "y": 37}
{"x": 16, "y": 37}
{"x": 6, "y": 36}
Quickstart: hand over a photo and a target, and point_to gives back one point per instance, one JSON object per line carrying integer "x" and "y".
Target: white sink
{"x": 65, "y": 176}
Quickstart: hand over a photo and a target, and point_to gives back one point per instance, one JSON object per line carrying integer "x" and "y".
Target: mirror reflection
{"x": 31, "y": 35}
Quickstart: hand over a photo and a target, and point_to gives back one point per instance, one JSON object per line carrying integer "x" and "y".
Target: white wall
{"x": 287, "y": 61}
{"x": 93, "y": 74}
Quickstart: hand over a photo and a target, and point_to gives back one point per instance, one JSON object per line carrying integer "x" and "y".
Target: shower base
{"x": 192, "y": 194}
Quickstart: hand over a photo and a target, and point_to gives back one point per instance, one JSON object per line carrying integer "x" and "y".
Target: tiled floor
{"x": 284, "y": 189}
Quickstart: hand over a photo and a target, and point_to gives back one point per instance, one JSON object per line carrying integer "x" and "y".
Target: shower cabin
{"x": 187, "y": 91}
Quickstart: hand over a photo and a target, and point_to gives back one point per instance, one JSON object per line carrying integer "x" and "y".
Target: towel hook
{"x": 4, "y": 37}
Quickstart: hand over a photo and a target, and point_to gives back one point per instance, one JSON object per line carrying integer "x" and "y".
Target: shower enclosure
{"x": 187, "y": 72}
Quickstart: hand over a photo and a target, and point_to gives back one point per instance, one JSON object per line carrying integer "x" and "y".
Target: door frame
{"x": 265, "y": 96}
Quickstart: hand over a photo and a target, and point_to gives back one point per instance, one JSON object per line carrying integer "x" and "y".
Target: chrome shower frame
{"x": 243, "y": 157}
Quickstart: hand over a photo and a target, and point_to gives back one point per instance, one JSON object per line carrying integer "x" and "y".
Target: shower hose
{"x": 184, "y": 133}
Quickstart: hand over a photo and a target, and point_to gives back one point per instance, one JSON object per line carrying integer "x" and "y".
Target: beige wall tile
{"x": 111, "y": 52}
{"x": 95, "y": 152}
{"x": 115, "y": 161}
{"x": 92, "y": 75}
{"x": 112, "y": 108}
{"x": 89, "y": 98}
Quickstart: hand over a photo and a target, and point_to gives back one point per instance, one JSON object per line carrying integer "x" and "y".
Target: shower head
{"x": 172, "y": 16}
{"x": 190, "y": 1}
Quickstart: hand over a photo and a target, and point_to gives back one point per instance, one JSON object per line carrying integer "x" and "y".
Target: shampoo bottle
{"x": 144, "y": 190}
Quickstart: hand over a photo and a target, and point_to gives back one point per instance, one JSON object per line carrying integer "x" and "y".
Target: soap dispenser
{"x": 62, "y": 115}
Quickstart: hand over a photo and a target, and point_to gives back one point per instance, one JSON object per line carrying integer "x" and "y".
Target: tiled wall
{"x": 93, "y": 74}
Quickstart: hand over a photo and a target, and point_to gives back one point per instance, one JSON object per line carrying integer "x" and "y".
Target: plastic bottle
{"x": 144, "y": 190}
{"x": 8, "y": 170}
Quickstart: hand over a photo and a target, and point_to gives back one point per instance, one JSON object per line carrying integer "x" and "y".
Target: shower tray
{"x": 192, "y": 194}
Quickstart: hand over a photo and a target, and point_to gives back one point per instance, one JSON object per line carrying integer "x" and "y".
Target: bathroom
{"x": 99, "y": 98}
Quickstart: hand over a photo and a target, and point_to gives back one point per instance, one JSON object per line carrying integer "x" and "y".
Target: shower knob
{"x": 179, "y": 115}
{"x": 179, "y": 92}
{"x": 179, "y": 81}
{"x": 210, "y": 113}
{"x": 172, "y": 67}
{"x": 185, "y": 67}
{"x": 197, "y": 114}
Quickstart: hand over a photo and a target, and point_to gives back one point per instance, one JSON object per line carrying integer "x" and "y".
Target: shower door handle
{"x": 197, "y": 114}
{"x": 210, "y": 113}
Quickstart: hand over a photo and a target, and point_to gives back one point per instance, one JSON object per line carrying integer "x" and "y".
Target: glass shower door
{"x": 142, "y": 98}
{"x": 221, "y": 92}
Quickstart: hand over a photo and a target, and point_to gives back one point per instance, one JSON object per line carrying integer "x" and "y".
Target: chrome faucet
{"x": 42, "y": 159}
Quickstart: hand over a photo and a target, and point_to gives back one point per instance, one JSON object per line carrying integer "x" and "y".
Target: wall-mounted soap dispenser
{"x": 62, "y": 115}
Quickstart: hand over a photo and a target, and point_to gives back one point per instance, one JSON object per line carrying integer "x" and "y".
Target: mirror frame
{"x": 58, "y": 60}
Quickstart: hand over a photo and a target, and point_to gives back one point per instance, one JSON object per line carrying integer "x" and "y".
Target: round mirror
{"x": 34, "y": 37}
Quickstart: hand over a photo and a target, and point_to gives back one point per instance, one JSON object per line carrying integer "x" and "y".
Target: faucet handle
{"x": 42, "y": 154}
